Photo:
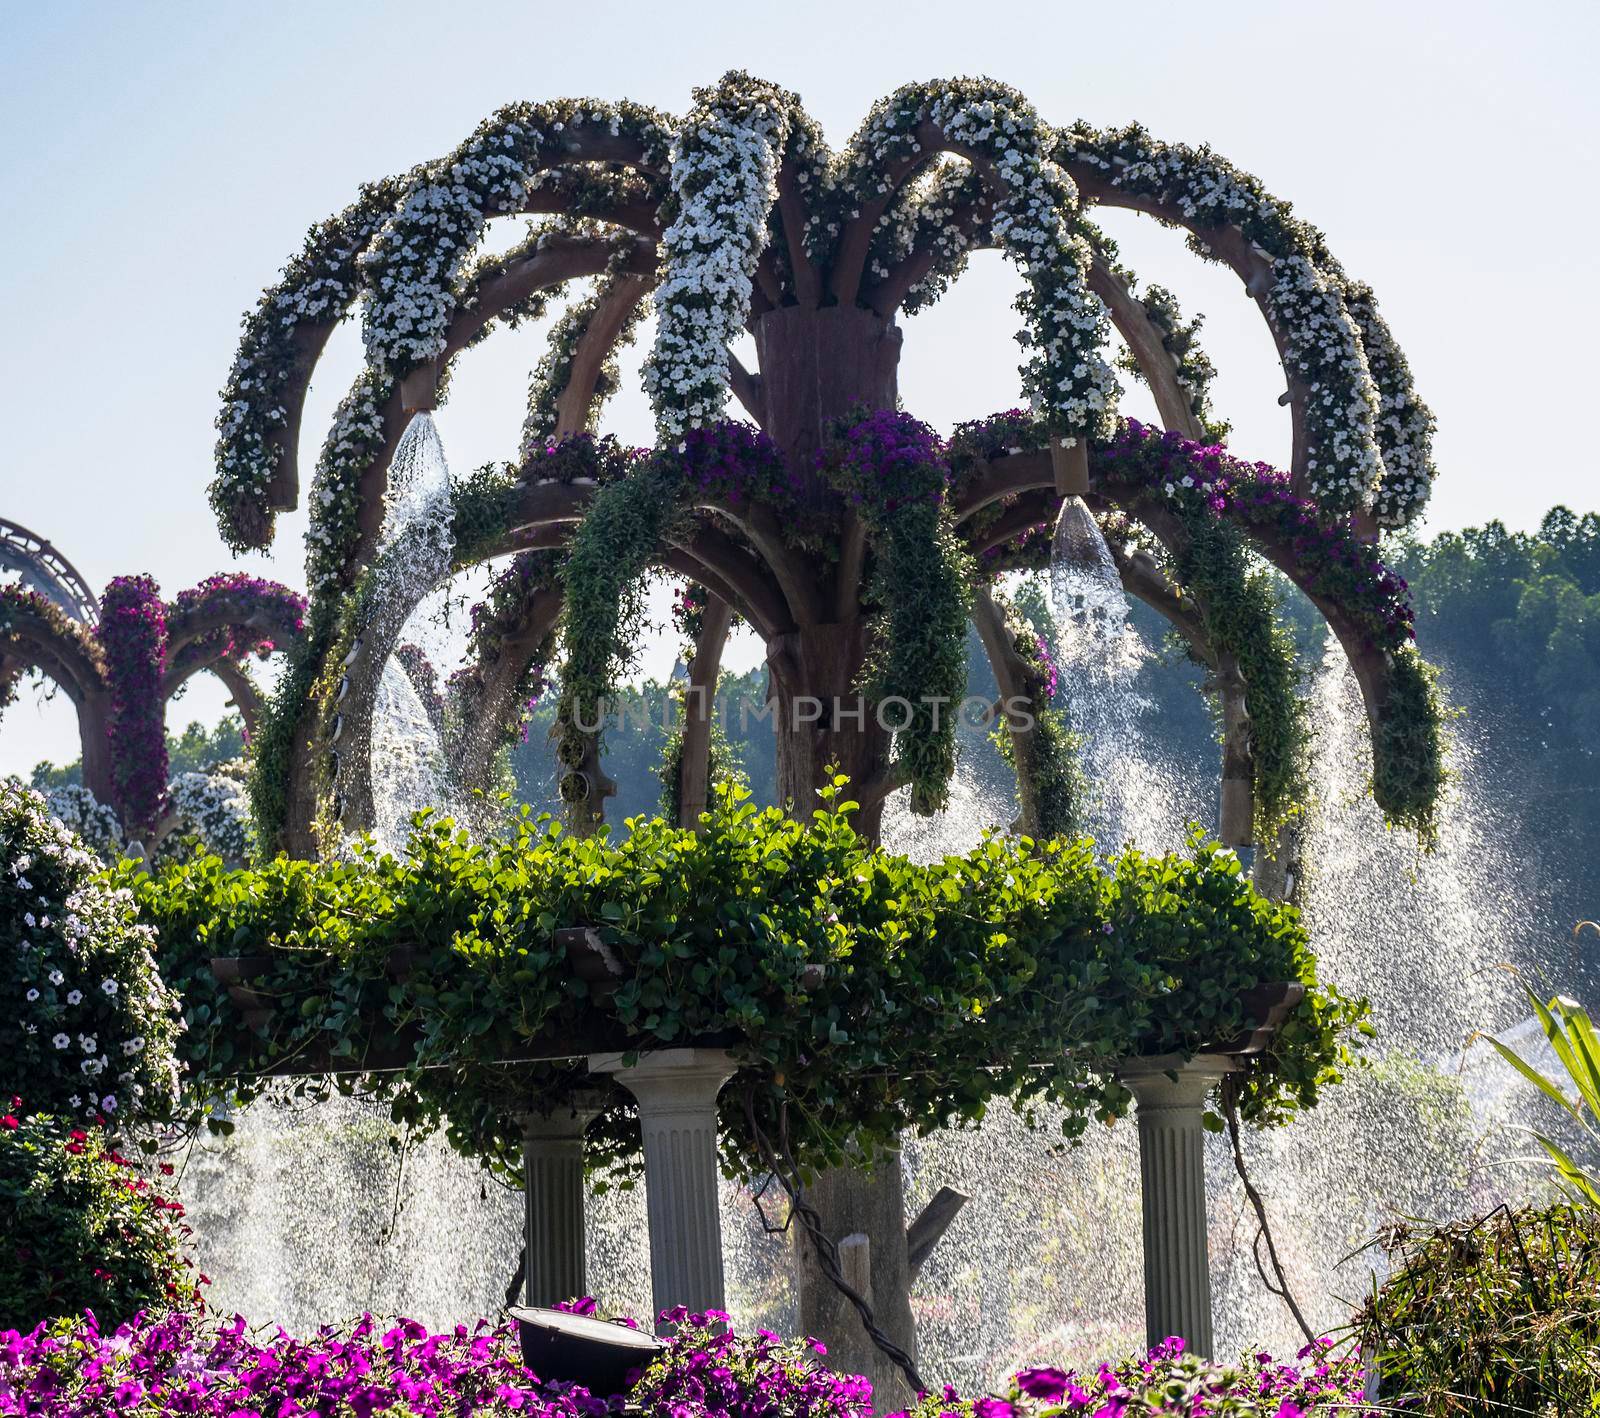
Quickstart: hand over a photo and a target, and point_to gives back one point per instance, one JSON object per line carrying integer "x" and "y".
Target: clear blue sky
{"x": 160, "y": 162}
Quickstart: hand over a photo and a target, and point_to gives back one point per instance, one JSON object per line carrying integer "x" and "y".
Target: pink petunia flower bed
{"x": 188, "y": 1364}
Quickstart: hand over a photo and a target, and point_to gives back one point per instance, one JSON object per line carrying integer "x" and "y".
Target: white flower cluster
{"x": 1066, "y": 377}
{"x": 91, "y": 1027}
{"x": 724, "y": 182}
{"x": 86, "y": 817}
{"x": 319, "y": 287}
{"x": 214, "y": 807}
{"x": 334, "y": 506}
{"x": 1405, "y": 424}
{"x": 1370, "y": 435}
{"x": 1322, "y": 346}
{"x": 413, "y": 269}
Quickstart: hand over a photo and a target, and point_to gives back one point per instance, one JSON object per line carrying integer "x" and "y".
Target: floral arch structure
{"x": 122, "y": 663}
{"x": 854, "y": 542}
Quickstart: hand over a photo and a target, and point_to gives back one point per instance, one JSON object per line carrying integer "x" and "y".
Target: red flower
{"x": 9, "y": 1122}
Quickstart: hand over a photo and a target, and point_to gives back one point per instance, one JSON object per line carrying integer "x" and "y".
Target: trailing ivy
{"x": 892, "y": 470}
{"x": 273, "y": 745}
{"x": 502, "y": 613}
{"x": 1051, "y": 767}
{"x": 1408, "y": 761}
{"x": 1237, "y": 605}
{"x": 871, "y": 994}
{"x": 1331, "y": 563}
{"x": 604, "y": 586}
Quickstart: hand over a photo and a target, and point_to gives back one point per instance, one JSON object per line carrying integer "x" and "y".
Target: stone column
{"x": 1171, "y": 1095}
{"x": 677, "y": 1094}
{"x": 554, "y": 1266}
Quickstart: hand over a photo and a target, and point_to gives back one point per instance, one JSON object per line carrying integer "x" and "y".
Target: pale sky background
{"x": 161, "y": 162}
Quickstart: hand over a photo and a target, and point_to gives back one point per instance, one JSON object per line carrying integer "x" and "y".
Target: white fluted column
{"x": 554, "y": 1266}
{"x": 677, "y": 1094}
{"x": 1171, "y": 1096}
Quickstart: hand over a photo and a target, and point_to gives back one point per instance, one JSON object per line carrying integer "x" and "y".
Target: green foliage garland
{"x": 870, "y": 994}
{"x": 892, "y": 470}
{"x": 1237, "y": 604}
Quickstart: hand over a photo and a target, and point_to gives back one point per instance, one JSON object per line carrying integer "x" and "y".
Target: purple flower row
{"x": 212, "y": 1368}
{"x": 133, "y": 639}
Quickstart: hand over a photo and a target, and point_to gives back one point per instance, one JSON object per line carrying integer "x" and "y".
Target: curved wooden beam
{"x": 246, "y": 697}
{"x": 699, "y": 711}
{"x": 482, "y": 729}
{"x": 856, "y": 241}
{"x": 557, "y": 260}
{"x": 1016, "y": 703}
{"x": 31, "y": 641}
{"x": 1229, "y": 245}
{"x": 575, "y": 404}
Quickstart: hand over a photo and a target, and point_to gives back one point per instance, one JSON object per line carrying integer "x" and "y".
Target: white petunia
{"x": 61, "y": 1041}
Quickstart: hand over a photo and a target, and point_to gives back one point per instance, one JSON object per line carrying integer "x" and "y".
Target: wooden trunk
{"x": 819, "y": 366}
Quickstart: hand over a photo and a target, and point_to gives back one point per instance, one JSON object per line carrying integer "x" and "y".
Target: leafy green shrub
{"x": 79, "y": 1229}
{"x": 862, "y": 992}
{"x": 1576, "y": 1045}
{"x": 1500, "y": 1314}
{"x": 89, "y": 1028}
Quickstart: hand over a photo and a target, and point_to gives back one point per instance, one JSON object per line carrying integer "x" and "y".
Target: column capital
{"x": 675, "y": 1080}
{"x": 567, "y": 1121}
{"x": 1162, "y": 1081}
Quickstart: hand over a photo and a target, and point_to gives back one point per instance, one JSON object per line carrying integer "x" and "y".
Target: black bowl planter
{"x": 599, "y": 1354}
{"x": 1266, "y": 1006}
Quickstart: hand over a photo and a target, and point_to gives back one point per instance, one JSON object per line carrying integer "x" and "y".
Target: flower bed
{"x": 182, "y": 1364}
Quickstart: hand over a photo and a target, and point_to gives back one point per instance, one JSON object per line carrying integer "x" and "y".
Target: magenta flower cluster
{"x": 180, "y": 1364}
{"x": 887, "y": 461}
{"x": 1168, "y": 1383}
{"x": 133, "y": 639}
{"x": 1330, "y": 560}
{"x": 185, "y": 1364}
{"x": 258, "y": 613}
{"x": 223, "y": 617}
{"x": 736, "y": 463}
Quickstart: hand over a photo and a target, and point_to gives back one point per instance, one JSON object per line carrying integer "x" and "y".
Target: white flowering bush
{"x": 214, "y": 807}
{"x": 724, "y": 182}
{"x": 95, "y": 823}
{"x": 86, "y": 1026}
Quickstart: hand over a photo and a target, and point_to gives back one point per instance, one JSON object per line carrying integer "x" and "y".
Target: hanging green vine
{"x": 1060, "y": 787}
{"x": 875, "y": 994}
{"x": 893, "y": 471}
{"x": 604, "y": 586}
{"x": 1238, "y": 607}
